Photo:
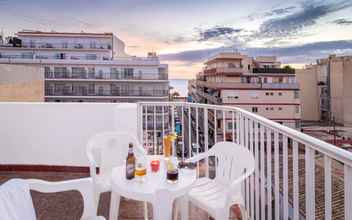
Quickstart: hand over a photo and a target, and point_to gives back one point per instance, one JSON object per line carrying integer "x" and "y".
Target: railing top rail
{"x": 319, "y": 145}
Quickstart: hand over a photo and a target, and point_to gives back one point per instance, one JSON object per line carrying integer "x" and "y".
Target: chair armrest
{"x": 92, "y": 165}
{"x": 241, "y": 178}
{"x": 198, "y": 157}
{"x": 83, "y": 185}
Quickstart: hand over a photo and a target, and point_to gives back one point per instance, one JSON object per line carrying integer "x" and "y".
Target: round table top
{"x": 153, "y": 182}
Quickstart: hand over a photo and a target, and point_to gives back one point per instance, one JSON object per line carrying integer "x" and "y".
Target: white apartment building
{"x": 87, "y": 67}
{"x": 258, "y": 85}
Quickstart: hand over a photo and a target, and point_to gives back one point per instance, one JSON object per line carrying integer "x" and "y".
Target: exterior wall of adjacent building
{"x": 258, "y": 85}
{"x": 308, "y": 82}
{"x": 326, "y": 90}
{"x": 21, "y": 83}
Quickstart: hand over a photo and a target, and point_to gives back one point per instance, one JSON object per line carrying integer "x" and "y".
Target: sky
{"x": 186, "y": 32}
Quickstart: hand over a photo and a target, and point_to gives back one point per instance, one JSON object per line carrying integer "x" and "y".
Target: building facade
{"x": 327, "y": 89}
{"x": 258, "y": 85}
{"x": 87, "y": 67}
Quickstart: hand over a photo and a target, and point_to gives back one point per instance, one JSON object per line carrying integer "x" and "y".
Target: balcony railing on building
{"x": 296, "y": 176}
{"x": 274, "y": 70}
{"x": 85, "y": 91}
{"x": 102, "y": 75}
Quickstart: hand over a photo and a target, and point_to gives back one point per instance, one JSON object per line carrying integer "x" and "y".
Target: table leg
{"x": 114, "y": 206}
{"x": 184, "y": 205}
{"x": 162, "y": 206}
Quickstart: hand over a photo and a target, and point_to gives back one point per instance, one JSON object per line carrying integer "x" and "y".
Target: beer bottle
{"x": 130, "y": 163}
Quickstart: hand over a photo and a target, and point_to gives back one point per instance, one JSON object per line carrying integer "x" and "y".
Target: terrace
{"x": 296, "y": 175}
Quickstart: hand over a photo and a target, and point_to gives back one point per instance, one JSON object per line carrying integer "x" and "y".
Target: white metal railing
{"x": 296, "y": 176}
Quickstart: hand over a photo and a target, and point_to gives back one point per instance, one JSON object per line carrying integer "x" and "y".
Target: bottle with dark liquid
{"x": 130, "y": 163}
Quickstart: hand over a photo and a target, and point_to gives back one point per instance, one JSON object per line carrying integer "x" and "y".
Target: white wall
{"x": 57, "y": 133}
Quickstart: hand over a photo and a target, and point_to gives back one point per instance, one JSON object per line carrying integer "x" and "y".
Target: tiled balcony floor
{"x": 68, "y": 205}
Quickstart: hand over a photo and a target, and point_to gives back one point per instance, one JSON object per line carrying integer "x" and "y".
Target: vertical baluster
{"x": 242, "y": 118}
{"x": 327, "y": 180}
{"x": 295, "y": 180}
{"x": 233, "y": 126}
{"x": 256, "y": 155}
{"x": 206, "y": 140}
{"x": 246, "y": 145}
{"x": 269, "y": 172}
{"x": 215, "y": 128}
{"x": 173, "y": 129}
{"x": 154, "y": 133}
{"x": 348, "y": 191}
{"x": 189, "y": 132}
{"x": 285, "y": 176}
{"x": 310, "y": 183}
{"x": 141, "y": 138}
{"x": 146, "y": 126}
{"x": 223, "y": 125}
{"x": 251, "y": 147}
{"x": 276, "y": 172}
{"x": 197, "y": 138}
{"x": 163, "y": 122}
{"x": 262, "y": 177}
{"x": 183, "y": 133}
{"x": 238, "y": 127}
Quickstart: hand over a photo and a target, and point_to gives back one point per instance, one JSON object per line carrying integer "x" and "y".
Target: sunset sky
{"x": 185, "y": 32}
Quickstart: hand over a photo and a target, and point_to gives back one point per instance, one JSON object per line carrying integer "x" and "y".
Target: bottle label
{"x": 130, "y": 169}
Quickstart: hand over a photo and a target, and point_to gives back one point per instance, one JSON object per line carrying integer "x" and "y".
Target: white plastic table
{"x": 155, "y": 189}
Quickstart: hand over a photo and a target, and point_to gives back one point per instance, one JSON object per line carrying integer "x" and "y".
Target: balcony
{"x": 83, "y": 91}
{"x": 224, "y": 70}
{"x": 296, "y": 176}
{"x": 274, "y": 70}
{"x": 102, "y": 76}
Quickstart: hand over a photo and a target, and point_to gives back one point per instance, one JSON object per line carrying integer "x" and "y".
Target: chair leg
{"x": 114, "y": 206}
{"x": 244, "y": 213}
{"x": 145, "y": 211}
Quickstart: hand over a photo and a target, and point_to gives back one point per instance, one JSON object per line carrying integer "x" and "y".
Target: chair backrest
{"x": 110, "y": 149}
{"x": 232, "y": 161}
{"x": 16, "y": 201}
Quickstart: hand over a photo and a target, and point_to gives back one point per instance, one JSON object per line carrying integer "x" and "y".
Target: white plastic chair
{"x": 107, "y": 150}
{"x": 16, "y": 202}
{"x": 234, "y": 164}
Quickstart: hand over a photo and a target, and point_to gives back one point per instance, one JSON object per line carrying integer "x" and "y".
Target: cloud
{"x": 280, "y": 11}
{"x": 292, "y": 24}
{"x": 216, "y": 32}
{"x": 342, "y": 21}
{"x": 305, "y": 53}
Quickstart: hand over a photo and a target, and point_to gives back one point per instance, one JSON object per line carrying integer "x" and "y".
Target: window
{"x": 91, "y": 56}
{"x": 229, "y": 125}
{"x": 280, "y": 93}
{"x": 267, "y": 108}
{"x": 271, "y": 93}
{"x": 254, "y": 109}
{"x": 296, "y": 94}
{"x": 297, "y": 109}
{"x": 267, "y": 94}
{"x": 265, "y": 80}
{"x": 280, "y": 108}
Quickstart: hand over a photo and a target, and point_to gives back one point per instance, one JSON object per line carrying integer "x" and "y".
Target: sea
{"x": 180, "y": 85}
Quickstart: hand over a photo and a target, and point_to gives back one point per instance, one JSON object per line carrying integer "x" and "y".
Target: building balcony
{"x": 245, "y": 85}
{"x": 224, "y": 70}
{"x": 274, "y": 70}
{"x": 81, "y": 92}
{"x": 102, "y": 76}
{"x": 296, "y": 176}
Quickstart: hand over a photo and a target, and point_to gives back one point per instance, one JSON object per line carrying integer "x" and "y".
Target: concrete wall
{"x": 347, "y": 93}
{"x": 21, "y": 83}
{"x": 307, "y": 80}
{"x": 57, "y": 133}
